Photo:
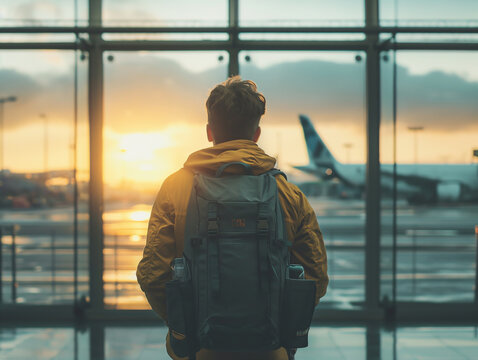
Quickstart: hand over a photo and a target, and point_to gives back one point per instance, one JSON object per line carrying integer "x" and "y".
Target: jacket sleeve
{"x": 154, "y": 269}
{"x": 308, "y": 247}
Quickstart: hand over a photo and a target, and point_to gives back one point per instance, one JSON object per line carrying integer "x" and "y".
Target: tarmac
{"x": 436, "y": 253}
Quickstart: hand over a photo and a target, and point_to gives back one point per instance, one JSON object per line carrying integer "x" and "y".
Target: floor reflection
{"x": 143, "y": 342}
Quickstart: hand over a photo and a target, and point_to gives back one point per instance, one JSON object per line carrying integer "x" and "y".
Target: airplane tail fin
{"x": 318, "y": 152}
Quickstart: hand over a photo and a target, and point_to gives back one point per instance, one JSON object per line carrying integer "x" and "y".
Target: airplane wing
{"x": 412, "y": 180}
{"x": 309, "y": 169}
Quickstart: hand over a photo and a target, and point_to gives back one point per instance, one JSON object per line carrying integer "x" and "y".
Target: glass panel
{"x": 329, "y": 89}
{"x": 450, "y": 342}
{"x": 428, "y": 13}
{"x": 448, "y": 38}
{"x": 44, "y": 343}
{"x": 165, "y": 13}
{"x": 37, "y": 38}
{"x": 437, "y": 175}
{"x": 335, "y": 343}
{"x": 37, "y": 91}
{"x": 426, "y": 341}
{"x": 301, "y": 36}
{"x": 170, "y": 36}
{"x": 308, "y": 13}
{"x": 154, "y": 111}
{"x": 43, "y": 12}
{"x": 387, "y": 277}
{"x": 149, "y": 342}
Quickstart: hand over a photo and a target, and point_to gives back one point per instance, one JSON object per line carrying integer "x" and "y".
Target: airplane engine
{"x": 328, "y": 173}
{"x": 448, "y": 192}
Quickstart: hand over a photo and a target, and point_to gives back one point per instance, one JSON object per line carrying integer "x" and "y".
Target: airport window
{"x": 371, "y": 110}
{"x": 435, "y": 175}
{"x": 305, "y": 88}
{"x": 44, "y": 250}
{"x": 144, "y": 69}
{"x": 149, "y": 133}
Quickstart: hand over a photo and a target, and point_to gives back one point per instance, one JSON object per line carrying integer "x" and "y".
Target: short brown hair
{"x": 234, "y": 109}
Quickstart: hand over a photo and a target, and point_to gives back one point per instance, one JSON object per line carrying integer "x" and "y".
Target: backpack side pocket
{"x": 297, "y": 312}
{"x": 179, "y": 300}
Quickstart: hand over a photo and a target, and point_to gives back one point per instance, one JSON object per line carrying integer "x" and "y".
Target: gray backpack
{"x": 230, "y": 290}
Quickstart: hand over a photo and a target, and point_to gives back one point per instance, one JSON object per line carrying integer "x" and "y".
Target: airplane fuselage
{"x": 460, "y": 173}
{"x": 420, "y": 182}
{"x": 425, "y": 182}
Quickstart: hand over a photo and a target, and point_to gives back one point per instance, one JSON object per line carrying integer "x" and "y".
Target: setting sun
{"x": 137, "y": 157}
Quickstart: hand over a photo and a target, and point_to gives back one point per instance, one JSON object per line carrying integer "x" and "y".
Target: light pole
{"x": 45, "y": 143}
{"x": 2, "y": 147}
{"x": 415, "y": 130}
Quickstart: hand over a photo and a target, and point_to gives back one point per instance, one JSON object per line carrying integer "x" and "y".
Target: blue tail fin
{"x": 318, "y": 152}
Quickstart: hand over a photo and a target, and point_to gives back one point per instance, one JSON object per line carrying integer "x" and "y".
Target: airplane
{"x": 418, "y": 183}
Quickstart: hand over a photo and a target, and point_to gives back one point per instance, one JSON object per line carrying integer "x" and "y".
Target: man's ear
{"x": 257, "y": 134}
{"x": 210, "y": 136}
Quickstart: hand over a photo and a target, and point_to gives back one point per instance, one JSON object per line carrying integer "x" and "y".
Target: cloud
{"x": 335, "y": 93}
{"x": 153, "y": 93}
{"x": 35, "y": 10}
{"x": 439, "y": 100}
{"x": 48, "y": 94}
{"x": 150, "y": 93}
{"x": 326, "y": 91}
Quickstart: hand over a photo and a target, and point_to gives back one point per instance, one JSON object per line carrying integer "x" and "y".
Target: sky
{"x": 155, "y": 114}
{"x": 154, "y": 102}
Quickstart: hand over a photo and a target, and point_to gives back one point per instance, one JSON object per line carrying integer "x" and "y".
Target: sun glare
{"x": 138, "y": 157}
{"x": 135, "y": 238}
{"x": 142, "y": 146}
{"x": 139, "y": 215}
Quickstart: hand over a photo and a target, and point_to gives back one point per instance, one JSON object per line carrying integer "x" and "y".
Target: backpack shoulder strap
{"x": 247, "y": 167}
{"x": 275, "y": 172}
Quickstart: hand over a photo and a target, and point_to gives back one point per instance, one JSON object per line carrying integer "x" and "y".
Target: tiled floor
{"x": 146, "y": 342}
{"x": 437, "y": 343}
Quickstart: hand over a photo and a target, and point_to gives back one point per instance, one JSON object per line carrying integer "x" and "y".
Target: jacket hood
{"x": 208, "y": 160}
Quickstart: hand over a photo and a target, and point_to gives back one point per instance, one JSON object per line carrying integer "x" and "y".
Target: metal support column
{"x": 234, "y": 24}
{"x": 53, "y": 266}
{"x": 372, "y": 223}
{"x": 14, "y": 266}
{"x": 97, "y": 341}
{"x": 373, "y": 348}
{"x": 95, "y": 112}
{"x": 476, "y": 263}
{"x": 1, "y": 265}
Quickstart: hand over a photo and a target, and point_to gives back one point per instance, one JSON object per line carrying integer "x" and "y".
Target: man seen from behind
{"x": 234, "y": 109}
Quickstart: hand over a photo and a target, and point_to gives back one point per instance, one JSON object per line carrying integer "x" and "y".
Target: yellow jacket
{"x": 165, "y": 238}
